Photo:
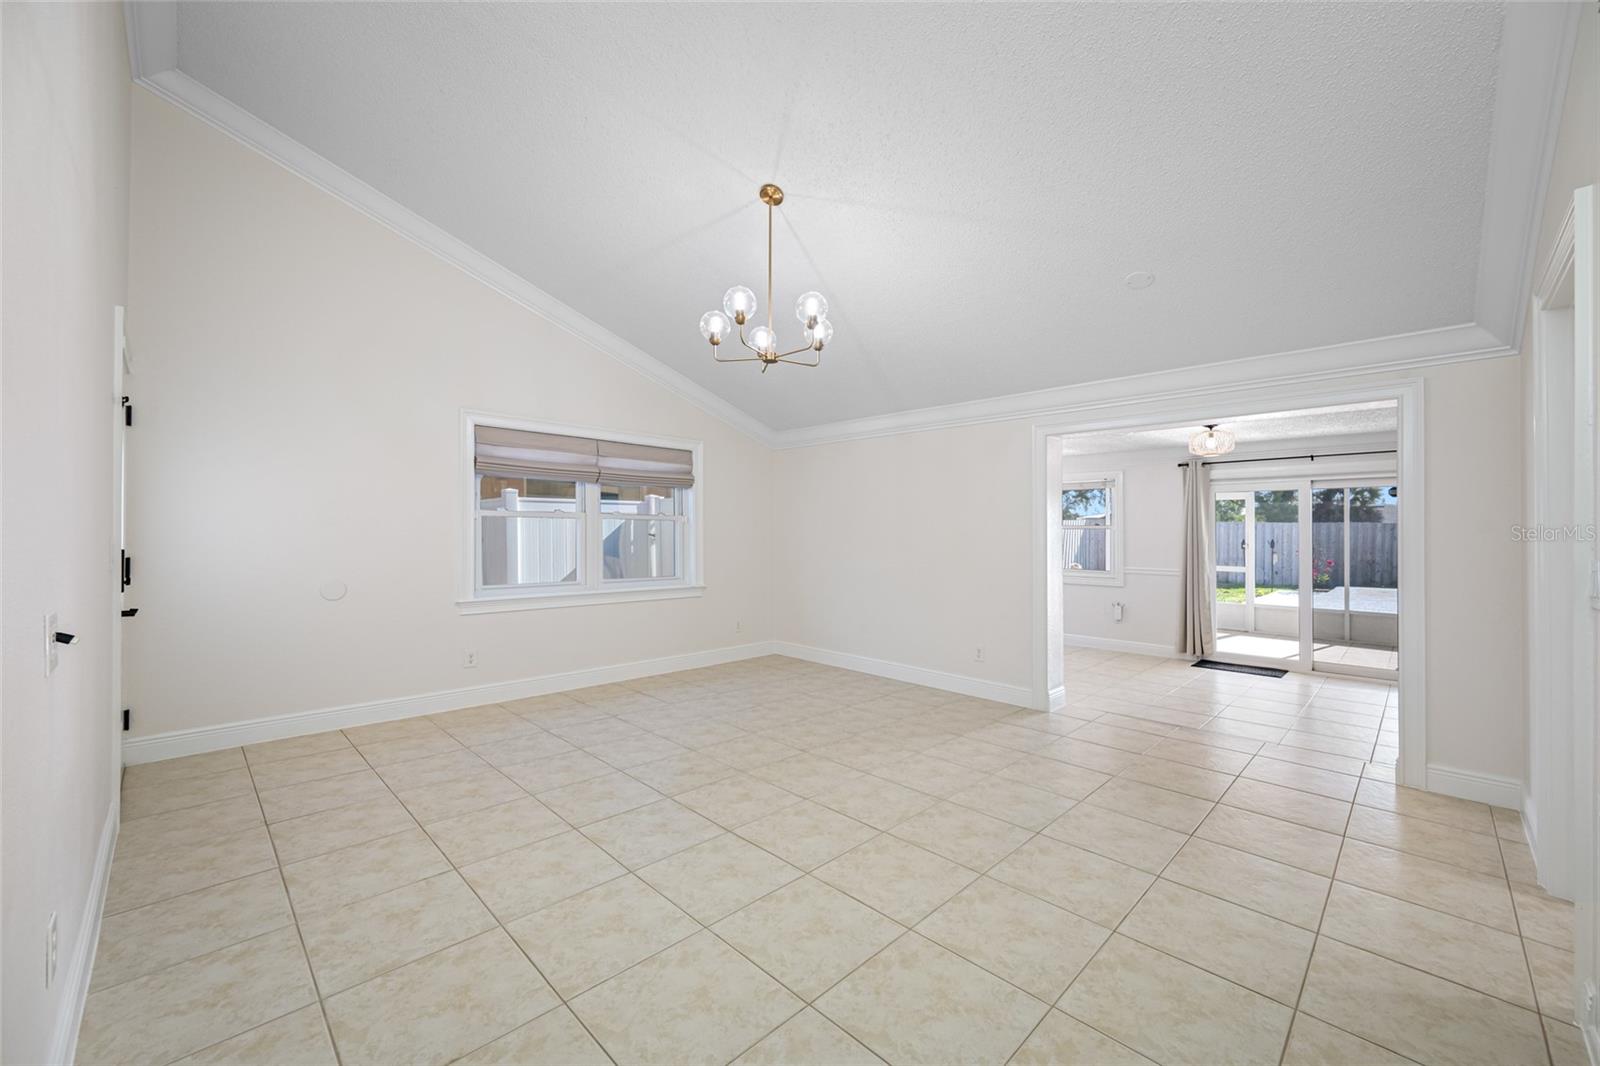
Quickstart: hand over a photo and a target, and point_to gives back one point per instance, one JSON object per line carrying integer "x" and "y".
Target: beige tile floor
{"x": 780, "y": 862}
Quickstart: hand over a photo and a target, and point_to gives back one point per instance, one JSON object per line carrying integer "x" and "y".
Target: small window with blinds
{"x": 558, "y": 515}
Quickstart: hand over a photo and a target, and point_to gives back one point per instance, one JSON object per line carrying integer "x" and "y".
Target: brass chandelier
{"x": 739, "y": 304}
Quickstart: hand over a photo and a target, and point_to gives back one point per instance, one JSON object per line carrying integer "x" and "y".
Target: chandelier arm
{"x": 736, "y": 359}
{"x": 744, "y": 342}
{"x": 795, "y": 362}
{"x": 796, "y": 351}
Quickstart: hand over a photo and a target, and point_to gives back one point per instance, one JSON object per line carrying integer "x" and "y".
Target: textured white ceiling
{"x": 1318, "y": 423}
{"x": 968, "y": 184}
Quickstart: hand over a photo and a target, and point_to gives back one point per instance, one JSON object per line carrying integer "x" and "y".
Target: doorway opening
{"x": 1306, "y": 530}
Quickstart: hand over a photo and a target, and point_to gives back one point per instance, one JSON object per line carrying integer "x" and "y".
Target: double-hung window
{"x": 1091, "y": 533}
{"x": 558, "y": 517}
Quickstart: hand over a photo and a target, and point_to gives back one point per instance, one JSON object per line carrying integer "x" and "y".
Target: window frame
{"x": 1113, "y": 576}
{"x": 591, "y": 587}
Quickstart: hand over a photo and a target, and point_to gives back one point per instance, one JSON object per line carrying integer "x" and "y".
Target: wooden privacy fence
{"x": 1374, "y": 553}
{"x": 1083, "y": 548}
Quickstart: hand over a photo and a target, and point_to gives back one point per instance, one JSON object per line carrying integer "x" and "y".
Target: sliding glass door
{"x": 1355, "y": 574}
{"x": 1257, "y": 572}
{"x": 1305, "y": 574}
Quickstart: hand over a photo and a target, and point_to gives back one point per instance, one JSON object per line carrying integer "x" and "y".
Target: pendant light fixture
{"x": 739, "y": 306}
{"x": 1211, "y": 442}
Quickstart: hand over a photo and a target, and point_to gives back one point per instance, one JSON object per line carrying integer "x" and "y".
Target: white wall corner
{"x": 75, "y": 982}
{"x": 1470, "y": 785}
{"x": 152, "y": 36}
{"x": 1536, "y": 47}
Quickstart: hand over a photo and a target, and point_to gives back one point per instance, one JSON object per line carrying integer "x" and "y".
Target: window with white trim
{"x": 1091, "y": 530}
{"x": 558, "y": 516}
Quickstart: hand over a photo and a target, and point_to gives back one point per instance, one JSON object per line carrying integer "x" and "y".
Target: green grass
{"x": 1232, "y": 595}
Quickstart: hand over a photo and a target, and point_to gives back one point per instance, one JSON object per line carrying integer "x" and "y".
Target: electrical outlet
{"x": 52, "y": 652}
{"x": 50, "y": 951}
{"x": 738, "y": 627}
{"x": 978, "y": 656}
{"x": 1589, "y": 1003}
{"x": 469, "y": 660}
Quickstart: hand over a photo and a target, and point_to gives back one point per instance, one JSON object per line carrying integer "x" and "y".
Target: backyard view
{"x": 1372, "y": 550}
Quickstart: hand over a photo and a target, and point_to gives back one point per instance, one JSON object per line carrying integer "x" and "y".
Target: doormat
{"x": 1235, "y": 668}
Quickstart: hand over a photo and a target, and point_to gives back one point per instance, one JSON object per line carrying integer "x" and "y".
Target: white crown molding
{"x": 1405, "y": 351}
{"x": 1559, "y": 263}
{"x": 152, "y": 27}
{"x": 1536, "y": 47}
{"x": 223, "y": 114}
{"x": 1535, "y": 57}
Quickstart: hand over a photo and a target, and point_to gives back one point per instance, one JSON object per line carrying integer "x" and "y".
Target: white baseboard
{"x": 1468, "y": 785}
{"x": 1136, "y": 647}
{"x": 215, "y": 738}
{"x": 1058, "y": 699}
{"x": 916, "y": 675}
{"x": 64, "y": 1041}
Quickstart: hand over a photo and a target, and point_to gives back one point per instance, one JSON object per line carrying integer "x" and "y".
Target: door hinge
{"x": 127, "y": 568}
{"x": 129, "y": 612}
{"x": 127, "y": 412}
{"x": 127, "y": 718}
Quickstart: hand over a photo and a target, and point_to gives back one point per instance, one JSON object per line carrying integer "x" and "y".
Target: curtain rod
{"x": 1287, "y": 458}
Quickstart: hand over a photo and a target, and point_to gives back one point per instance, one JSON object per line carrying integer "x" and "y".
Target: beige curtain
{"x": 1195, "y": 634}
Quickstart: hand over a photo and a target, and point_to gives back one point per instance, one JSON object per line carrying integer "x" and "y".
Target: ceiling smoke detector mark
{"x": 1139, "y": 279}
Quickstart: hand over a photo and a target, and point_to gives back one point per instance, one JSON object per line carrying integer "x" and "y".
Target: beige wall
{"x": 937, "y": 580}
{"x": 63, "y": 211}
{"x": 300, "y": 373}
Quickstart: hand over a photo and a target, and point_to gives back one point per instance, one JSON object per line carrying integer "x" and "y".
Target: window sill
{"x": 1081, "y": 577}
{"x": 584, "y": 598}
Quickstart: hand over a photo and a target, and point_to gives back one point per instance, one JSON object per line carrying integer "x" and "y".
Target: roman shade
{"x": 551, "y": 456}
{"x": 642, "y": 464}
{"x": 558, "y": 457}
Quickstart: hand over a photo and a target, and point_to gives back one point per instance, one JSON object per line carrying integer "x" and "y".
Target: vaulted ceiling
{"x": 968, "y": 184}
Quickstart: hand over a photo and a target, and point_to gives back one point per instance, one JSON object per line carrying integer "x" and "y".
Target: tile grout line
{"x": 987, "y": 774}
{"x": 294, "y": 916}
{"x": 499, "y": 924}
{"x": 1522, "y": 942}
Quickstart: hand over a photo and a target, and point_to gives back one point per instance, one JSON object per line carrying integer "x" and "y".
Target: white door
{"x": 1586, "y": 646}
{"x": 117, "y": 411}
